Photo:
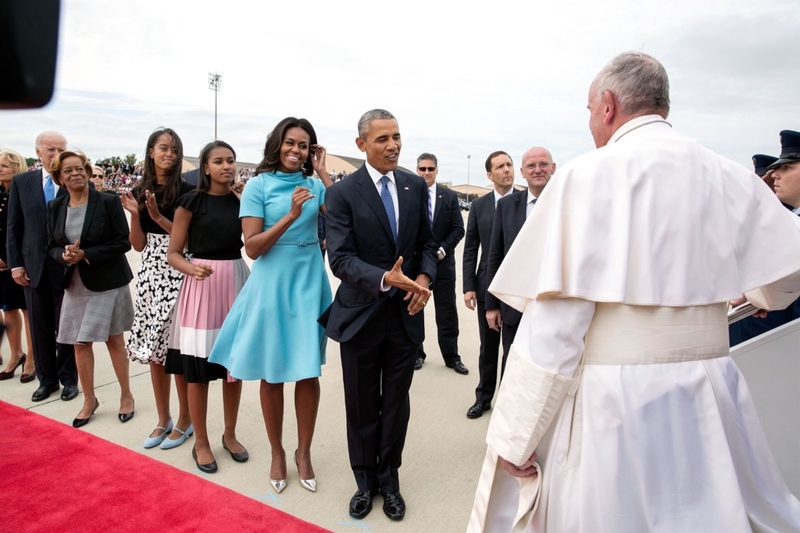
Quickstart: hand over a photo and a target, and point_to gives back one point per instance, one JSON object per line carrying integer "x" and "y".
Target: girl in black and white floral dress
{"x": 152, "y": 205}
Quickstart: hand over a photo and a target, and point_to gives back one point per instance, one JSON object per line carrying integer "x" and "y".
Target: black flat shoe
{"x": 208, "y": 468}
{"x": 238, "y": 457}
{"x": 126, "y": 417}
{"x": 361, "y": 504}
{"x": 80, "y": 422}
{"x": 394, "y": 506}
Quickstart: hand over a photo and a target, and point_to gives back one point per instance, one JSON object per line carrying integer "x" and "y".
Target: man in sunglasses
{"x": 444, "y": 216}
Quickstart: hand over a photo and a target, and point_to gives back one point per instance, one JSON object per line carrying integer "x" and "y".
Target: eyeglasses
{"x": 426, "y": 169}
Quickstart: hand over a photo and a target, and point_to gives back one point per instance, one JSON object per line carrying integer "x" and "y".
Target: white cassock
{"x": 619, "y": 377}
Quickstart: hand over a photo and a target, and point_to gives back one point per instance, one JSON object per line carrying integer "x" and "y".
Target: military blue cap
{"x": 761, "y": 163}
{"x": 790, "y": 148}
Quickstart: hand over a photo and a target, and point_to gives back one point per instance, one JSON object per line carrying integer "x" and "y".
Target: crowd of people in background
{"x": 199, "y": 315}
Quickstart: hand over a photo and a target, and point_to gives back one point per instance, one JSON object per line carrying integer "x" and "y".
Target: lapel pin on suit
{"x": 405, "y": 188}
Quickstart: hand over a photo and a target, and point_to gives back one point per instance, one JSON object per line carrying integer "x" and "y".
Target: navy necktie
{"x": 388, "y": 204}
{"x": 430, "y": 207}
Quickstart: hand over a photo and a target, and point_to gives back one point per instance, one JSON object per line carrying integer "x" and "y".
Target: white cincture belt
{"x": 640, "y": 335}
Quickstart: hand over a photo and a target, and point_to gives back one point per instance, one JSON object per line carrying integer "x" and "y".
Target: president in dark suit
{"x": 444, "y": 216}
{"x": 40, "y": 275}
{"x": 509, "y": 216}
{"x": 500, "y": 171}
{"x": 381, "y": 248}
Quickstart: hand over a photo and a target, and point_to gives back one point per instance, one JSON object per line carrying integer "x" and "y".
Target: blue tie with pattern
{"x": 49, "y": 190}
{"x": 388, "y": 204}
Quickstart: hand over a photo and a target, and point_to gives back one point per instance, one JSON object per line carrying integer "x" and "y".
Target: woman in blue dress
{"x": 271, "y": 332}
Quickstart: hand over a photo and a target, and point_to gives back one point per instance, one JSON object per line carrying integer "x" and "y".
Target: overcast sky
{"x": 462, "y": 78}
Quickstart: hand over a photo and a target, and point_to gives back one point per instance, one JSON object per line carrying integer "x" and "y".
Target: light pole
{"x": 469, "y": 160}
{"x": 214, "y": 83}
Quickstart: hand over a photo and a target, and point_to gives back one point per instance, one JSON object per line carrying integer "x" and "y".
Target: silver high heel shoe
{"x": 278, "y": 484}
{"x": 308, "y": 484}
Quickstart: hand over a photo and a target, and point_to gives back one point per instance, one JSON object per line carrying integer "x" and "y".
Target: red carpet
{"x": 56, "y": 478}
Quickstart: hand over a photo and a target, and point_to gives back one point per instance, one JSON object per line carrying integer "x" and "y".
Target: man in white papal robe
{"x": 620, "y": 409}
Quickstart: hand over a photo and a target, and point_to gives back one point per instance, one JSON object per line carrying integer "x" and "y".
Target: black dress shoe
{"x": 459, "y": 367}
{"x": 477, "y": 409}
{"x": 70, "y": 392}
{"x": 393, "y": 505}
{"x": 238, "y": 457}
{"x": 126, "y": 417}
{"x": 26, "y": 378}
{"x": 418, "y": 363}
{"x": 80, "y": 422}
{"x": 361, "y": 503}
{"x": 208, "y": 468}
{"x": 43, "y": 392}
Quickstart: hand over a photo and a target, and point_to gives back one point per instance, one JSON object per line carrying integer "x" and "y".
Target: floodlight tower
{"x": 214, "y": 83}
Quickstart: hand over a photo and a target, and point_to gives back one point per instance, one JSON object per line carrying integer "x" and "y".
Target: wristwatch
{"x": 440, "y": 254}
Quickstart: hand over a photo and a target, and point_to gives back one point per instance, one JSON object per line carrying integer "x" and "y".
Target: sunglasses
{"x": 426, "y": 169}
{"x": 97, "y": 175}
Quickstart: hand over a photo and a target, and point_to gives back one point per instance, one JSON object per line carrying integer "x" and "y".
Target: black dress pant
{"x": 488, "y": 358}
{"x": 508, "y": 333}
{"x": 377, "y": 369}
{"x": 444, "y": 301}
{"x": 54, "y": 362}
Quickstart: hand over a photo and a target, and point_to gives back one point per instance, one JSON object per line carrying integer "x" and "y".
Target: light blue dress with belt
{"x": 271, "y": 332}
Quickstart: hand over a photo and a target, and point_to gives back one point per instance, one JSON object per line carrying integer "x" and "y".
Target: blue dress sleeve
{"x": 252, "y": 204}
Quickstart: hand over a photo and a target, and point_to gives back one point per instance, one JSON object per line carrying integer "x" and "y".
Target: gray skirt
{"x": 89, "y": 316}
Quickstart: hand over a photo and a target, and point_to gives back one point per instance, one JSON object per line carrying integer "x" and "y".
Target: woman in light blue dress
{"x": 271, "y": 332}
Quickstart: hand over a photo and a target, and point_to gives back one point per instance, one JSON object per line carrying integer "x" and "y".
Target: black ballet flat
{"x": 208, "y": 468}
{"x": 238, "y": 457}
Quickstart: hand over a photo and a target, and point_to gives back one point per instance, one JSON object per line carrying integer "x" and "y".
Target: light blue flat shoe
{"x": 152, "y": 442}
{"x": 168, "y": 443}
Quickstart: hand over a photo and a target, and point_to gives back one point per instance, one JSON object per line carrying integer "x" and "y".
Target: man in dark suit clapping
{"x": 381, "y": 247}
{"x": 444, "y": 216}
{"x": 39, "y": 274}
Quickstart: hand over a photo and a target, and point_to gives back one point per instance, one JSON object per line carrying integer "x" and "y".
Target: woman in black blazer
{"x": 88, "y": 233}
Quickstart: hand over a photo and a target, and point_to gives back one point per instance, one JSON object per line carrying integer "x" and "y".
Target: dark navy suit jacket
{"x": 509, "y": 216}
{"x": 361, "y": 249}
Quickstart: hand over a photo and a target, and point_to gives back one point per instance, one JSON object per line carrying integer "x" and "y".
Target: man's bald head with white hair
{"x": 631, "y": 85}
{"x": 48, "y": 145}
{"x": 537, "y": 168}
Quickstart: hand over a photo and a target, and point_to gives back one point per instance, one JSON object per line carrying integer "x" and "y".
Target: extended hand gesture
{"x": 396, "y": 278}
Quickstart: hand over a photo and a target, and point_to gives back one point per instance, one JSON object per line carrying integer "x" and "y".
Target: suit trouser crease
{"x": 377, "y": 369}
{"x": 488, "y": 357}
{"x": 444, "y": 301}
{"x": 54, "y": 362}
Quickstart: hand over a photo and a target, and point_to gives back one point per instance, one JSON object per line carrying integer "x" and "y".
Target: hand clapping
{"x": 73, "y": 253}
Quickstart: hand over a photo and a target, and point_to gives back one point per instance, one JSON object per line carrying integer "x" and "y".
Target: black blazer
{"x": 104, "y": 240}
{"x": 360, "y": 249}
{"x": 479, "y": 235}
{"x": 509, "y": 216}
{"x": 26, "y": 244}
{"x": 448, "y": 228}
